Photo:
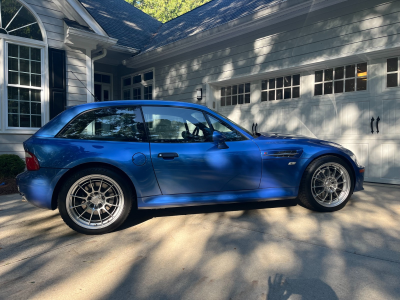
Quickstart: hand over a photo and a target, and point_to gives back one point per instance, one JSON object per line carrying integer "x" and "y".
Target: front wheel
{"x": 326, "y": 184}
{"x": 95, "y": 201}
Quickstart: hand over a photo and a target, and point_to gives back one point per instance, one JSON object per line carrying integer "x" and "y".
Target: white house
{"x": 323, "y": 68}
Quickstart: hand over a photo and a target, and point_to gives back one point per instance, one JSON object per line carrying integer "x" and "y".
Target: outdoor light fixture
{"x": 199, "y": 94}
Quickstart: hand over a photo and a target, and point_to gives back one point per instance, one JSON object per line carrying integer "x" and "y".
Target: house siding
{"x": 352, "y": 27}
{"x": 52, "y": 19}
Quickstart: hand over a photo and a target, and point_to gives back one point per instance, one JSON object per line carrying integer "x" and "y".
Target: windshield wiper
{"x": 254, "y": 131}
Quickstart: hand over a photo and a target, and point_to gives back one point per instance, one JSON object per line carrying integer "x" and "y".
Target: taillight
{"x": 32, "y": 163}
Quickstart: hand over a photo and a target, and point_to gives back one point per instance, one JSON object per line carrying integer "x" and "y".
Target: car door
{"x": 186, "y": 160}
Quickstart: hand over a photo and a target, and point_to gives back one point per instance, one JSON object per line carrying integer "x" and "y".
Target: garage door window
{"x": 343, "y": 79}
{"x": 279, "y": 88}
{"x": 392, "y": 69}
{"x": 235, "y": 94}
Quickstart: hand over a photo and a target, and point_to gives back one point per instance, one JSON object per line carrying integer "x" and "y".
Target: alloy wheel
{"x": 330, "y": 184}
{"x": 95, "y": 201}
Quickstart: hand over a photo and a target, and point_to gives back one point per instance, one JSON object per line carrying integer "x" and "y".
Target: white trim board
{"x": 81, "y": 10}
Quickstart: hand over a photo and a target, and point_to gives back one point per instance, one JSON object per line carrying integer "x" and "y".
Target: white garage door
{"x": 344, "y": 118}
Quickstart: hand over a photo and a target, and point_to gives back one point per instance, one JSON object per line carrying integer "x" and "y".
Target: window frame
{"x": 43, "y": 45}
{"x": 98, "y": 108}
{"x": 43, "y": 88}
{"x": 142, "y": 84}
{"x": 237, "y": 94}
{"x": 173, "y": 106}
{"x": 282, "y": 88}
{"x": 111, "y": 83}
{"x": 393, "y": 72}
{"x": 337, "y": 80}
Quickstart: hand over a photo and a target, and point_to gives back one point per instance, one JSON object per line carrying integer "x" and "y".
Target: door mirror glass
{"x": 219, "y": 140}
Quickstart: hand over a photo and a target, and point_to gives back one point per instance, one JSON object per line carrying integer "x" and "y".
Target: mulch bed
{"x": 10, "y": 186}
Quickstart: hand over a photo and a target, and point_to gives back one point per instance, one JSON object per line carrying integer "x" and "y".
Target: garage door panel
{"x": 323, "y": 119}
{"x": 390, "y": 168}
{"x": 361, "y": 150}
{"x": 390, "y": 119}
{"x": 355, "y": 118}
{"x": 282, "y": 120}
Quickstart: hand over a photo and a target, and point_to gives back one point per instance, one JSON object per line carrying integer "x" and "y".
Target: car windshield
{"x": 227, "y": 119}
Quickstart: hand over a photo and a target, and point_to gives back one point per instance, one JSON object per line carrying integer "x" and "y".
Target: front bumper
{"x": 37, "y": 187}
{"x": 359, "y": 183}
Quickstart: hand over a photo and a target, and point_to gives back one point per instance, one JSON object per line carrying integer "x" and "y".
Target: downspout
{"x": 100, "y": 56}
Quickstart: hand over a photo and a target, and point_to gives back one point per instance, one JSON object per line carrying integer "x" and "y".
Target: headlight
{"x": 354, "y": 158}
{"x": 345, "y": 150}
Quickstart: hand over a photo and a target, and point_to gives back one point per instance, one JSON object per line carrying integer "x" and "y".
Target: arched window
{"x": 23, "y": 45}
{"x": 15, "y": 19}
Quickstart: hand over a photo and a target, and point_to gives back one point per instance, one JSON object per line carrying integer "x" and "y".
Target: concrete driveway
{"x": 277, "y": 251}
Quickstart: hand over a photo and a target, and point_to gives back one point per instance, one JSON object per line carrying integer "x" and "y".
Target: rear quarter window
{"x": 107, "y": 124}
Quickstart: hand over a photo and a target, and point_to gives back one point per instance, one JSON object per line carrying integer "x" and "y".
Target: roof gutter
{"x": 100, "y": 56}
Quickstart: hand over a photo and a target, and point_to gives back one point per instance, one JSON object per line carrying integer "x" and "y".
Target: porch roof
{"x": 121, "y": 20}
{"x": 205, "y": 17}
{"x": 134, "y": 28}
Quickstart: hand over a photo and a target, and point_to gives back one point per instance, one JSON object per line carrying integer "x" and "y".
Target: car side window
{"x": 176, "y": 125}
{"x": 230, "y": 134}
{"x": 107, "y": 124}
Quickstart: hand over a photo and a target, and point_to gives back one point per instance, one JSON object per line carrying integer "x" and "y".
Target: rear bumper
{"x": 38, "y": 186}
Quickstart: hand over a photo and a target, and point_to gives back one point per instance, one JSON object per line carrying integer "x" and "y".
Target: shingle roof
{"x": 133, "y": 28}
{"x": 205, "y": 17}
{"x": 121, "y": 20}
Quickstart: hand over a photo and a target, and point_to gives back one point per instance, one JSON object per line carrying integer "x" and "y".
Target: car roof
{"x": 54, "y": 126}
{"x": 138, "y": 102}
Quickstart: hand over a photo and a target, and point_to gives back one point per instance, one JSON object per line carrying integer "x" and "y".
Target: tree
{"x": 165, "y": 10}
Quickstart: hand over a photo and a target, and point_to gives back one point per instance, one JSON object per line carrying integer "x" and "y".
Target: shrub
{"x": 11, "y": 165}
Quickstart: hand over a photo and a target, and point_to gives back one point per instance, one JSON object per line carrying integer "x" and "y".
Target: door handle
{"x": 168, "y": 155}
{"x": 377, "y": 124}
{"x": 372, "y": 124}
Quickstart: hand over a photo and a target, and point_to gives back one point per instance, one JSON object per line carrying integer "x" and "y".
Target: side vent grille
{"x": 290, "y": 153}
{"x": 283, "y": 153}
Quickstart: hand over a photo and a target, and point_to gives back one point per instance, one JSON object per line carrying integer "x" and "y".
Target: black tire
{"x": 128, "y": 196}
{"x": 306, "y": 197}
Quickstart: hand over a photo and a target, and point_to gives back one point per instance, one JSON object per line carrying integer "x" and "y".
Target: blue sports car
{"x": 97, "y": 161}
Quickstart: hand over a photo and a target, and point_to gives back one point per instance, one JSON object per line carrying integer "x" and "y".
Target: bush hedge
{"x": 11, "y": 165}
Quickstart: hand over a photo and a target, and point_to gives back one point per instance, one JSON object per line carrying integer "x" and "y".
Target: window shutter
{"x": 57, "y": 84}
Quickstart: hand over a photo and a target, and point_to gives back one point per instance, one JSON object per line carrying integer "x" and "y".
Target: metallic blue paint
{"x": 203, "y": 167}
{"x": 38, "y": 186}
{"x": 203, "y": 173}
{"x": 165, "y": 201}
{"x": 60, "y": 153}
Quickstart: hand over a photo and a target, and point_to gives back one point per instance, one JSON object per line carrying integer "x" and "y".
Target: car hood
{"x": 286, "y": 140}
{"x": 282, "y": 136}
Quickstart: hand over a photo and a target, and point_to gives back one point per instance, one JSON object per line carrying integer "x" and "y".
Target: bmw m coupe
{"x": 95, "y": 162}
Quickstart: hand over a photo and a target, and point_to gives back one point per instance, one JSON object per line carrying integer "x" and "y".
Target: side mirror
{"x": 219, "y": 140}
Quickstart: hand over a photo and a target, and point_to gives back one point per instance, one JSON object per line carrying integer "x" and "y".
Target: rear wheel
{"x": 326, "y": 185}
{"x": 95, "y": 201}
